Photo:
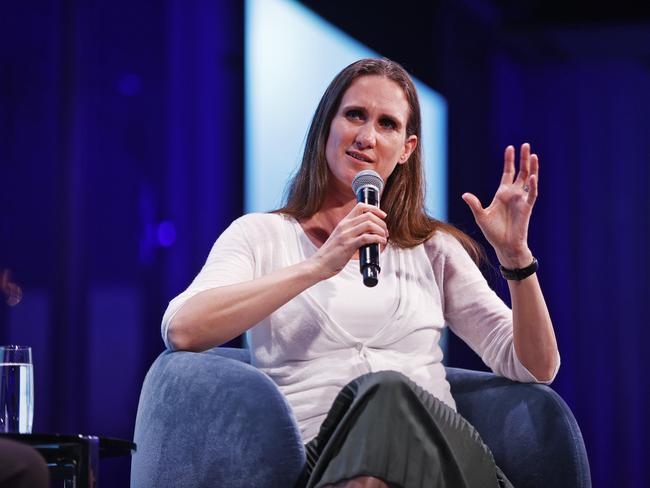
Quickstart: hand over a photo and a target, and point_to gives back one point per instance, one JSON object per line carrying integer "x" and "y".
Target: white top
{"x": 317, "y": 342}
{"x": 360, "y": 310}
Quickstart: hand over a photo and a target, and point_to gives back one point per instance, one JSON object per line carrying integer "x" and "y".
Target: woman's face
{"x": 368, "y": 131}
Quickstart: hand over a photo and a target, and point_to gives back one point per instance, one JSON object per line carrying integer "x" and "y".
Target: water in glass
{"x": 16, "y": 392}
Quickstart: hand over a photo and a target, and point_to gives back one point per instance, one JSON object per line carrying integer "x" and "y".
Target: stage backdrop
{"x": 121, "y": 160}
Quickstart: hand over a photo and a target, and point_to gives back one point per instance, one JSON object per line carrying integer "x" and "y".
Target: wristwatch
{"x": 519, "y": 274}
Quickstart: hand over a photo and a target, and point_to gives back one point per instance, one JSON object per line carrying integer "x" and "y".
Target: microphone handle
{"x": 369, "y": 254}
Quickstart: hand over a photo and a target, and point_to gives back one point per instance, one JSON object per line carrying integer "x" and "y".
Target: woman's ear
{"x": 409, "y": 146}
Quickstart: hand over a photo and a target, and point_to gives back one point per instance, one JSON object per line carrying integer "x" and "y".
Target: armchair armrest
{"x": 531, "y": 431}
{"x": 209, "y": 419}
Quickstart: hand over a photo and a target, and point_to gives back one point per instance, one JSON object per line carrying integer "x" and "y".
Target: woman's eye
{"x": 388, "y": 123}
{"x": 354, "y": 114}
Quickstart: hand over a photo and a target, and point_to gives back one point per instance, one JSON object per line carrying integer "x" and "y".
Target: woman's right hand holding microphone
{"x": 362, "y": 226}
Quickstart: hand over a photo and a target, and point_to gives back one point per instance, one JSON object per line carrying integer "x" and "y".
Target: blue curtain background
{"x": 121, "y": 161}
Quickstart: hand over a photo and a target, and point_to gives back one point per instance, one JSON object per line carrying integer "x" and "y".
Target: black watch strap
{"x": 519, "y": 274}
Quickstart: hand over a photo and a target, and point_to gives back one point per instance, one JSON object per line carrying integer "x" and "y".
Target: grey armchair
{"x": 212, "y": 420}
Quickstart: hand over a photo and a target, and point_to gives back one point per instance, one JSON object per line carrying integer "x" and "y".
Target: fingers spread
{"x": 533, "y": 189}
{"x": 508, "y": 166}
{"x": 534, "y": 165}
{"x": 524, "y": 164}
{"x": 524, "y": 156}
{"x": 474, "y": 204}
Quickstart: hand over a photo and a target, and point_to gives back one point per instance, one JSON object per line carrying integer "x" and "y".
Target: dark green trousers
{"x": 384, "y": 425}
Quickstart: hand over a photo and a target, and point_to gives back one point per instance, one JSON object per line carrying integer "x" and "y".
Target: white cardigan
{"x": 310, "y": 356}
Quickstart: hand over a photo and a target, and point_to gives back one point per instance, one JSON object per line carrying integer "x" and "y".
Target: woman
{"x": 291, "y": 278}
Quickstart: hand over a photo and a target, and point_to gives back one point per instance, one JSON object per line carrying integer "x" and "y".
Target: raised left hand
{"x": 505, "y": 222}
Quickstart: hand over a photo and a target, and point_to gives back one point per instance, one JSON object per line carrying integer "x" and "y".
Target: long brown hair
{"x": 403, "y": 195}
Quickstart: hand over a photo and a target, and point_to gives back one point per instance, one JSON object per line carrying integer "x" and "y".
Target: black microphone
{"x": 367, "y": 186}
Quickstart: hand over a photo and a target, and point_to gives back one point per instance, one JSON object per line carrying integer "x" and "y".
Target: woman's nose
{"x": 365, "y": 137}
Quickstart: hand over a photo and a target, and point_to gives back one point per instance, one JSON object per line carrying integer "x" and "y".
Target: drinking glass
{"x": 16, "y": 389}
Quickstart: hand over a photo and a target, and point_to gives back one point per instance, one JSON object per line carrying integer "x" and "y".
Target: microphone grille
{"x": 367, "y": 177}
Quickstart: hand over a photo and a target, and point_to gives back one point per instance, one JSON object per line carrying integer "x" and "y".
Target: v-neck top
{"x": 336, "y": 330}
{"x": 360, "y": 311}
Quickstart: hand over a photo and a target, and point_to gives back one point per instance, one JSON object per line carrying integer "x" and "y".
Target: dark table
{"x": 75, "y": 458}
